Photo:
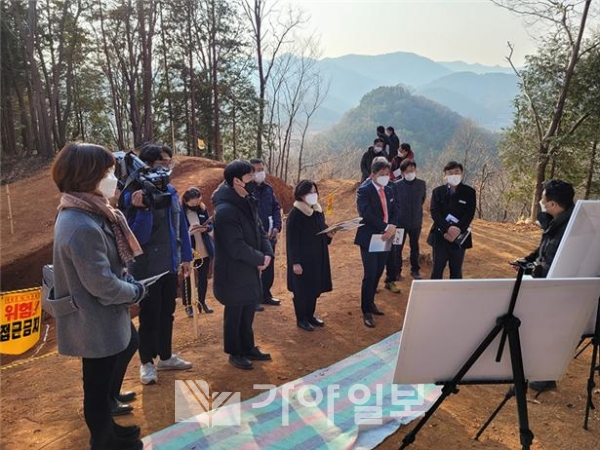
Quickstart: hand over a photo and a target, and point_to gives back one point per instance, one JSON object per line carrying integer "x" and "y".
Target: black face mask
{"x": 250, "y": 187}
{"x": 194, "y": 208}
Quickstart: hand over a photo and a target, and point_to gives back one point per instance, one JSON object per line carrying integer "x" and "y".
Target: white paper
{"x": 347, "y": 225}
{"x": 399, "y": 236}
{"x": 151, "y": 280}
{"x": 379, "y": 245}
{"x": 397, "y": 173}
{"x": 270, "y": 226}
{"x": 451, "y": 218}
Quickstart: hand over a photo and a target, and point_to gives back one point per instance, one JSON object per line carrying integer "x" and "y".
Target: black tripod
{"x": 508, "y": 325}
{"x": 594, "y": 367}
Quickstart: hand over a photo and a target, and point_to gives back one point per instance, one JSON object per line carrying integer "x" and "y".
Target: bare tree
{"x": 271, "y": 29}
{"x": 559, "y": 14}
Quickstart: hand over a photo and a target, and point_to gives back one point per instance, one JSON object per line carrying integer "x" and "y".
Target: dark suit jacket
{"x": 461, "y": 205}
{"x": 369, "y": 208}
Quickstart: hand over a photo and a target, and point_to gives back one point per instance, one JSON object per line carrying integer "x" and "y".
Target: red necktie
{"x": 383, "y": 204}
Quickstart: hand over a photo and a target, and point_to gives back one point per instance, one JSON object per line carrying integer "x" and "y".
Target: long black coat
{"x": 240, "y": 247}
{"x": 310, "y": 250}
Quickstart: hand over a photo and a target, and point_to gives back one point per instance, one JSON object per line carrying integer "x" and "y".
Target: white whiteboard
{"x": 446, "y": 320}
{"x": 578, "y": 254}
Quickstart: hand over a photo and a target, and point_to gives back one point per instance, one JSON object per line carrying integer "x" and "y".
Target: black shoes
{"x": 207, "y": 309}
{"x": 126, "y": 432}
{"x": 376, "y": 311}
{"x": 305, "y": 325}
{"x": 416, "y": 275}
{"x": 368, "y": 321}
{"x": 258, "y": 307}
{"x": 271, "y": 301}
{"x": 126, "y": 397}
{"x": 240, "y": 362}
{"x": 119, "y": 409}
{"x": 256, "y": 355}
{"x": 316, "y": 322}
{"x": 543, "y": 386}
{"x": 117, "y": 443}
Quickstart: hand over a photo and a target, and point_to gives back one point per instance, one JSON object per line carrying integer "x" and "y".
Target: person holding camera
{"x": 158, "y": 221}
{"x": 242, "y": 253}
{"x": 92, "y": 291}
{"x": 452, "y": 211}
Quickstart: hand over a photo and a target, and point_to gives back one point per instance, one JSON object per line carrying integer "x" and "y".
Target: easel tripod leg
{"x": 509, "y": 394}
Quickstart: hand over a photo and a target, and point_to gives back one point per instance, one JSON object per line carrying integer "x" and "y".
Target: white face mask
{"x": 260, "y": 177}
{"x": 108, "y": 185}
{"x": 311, "y": 199}
{"x": 410, "y": 176}
{"x": 542, "y": 206}
{"x": 383, "y": 180}
{"x": 377, "y": 149}
{"x": 454, "y": 180}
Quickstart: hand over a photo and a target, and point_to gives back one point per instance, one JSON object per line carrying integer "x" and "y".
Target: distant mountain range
{"x": 478, "y": 92}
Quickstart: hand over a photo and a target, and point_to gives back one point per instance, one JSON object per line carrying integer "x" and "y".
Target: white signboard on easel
{"x": 446, "y": 320}
{"x": 578, "y": 254}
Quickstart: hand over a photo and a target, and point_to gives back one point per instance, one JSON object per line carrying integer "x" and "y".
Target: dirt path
{"x": 41, "y": 400}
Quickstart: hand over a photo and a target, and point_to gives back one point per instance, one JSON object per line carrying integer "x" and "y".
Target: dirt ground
{"x": 42, "y": 398}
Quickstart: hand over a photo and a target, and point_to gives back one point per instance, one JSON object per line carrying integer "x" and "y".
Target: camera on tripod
{"x": 134, "y": 174}
{"x": 529, "y": 268}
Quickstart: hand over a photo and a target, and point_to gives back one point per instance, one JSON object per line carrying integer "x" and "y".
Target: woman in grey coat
{"x": 92, "y": 292}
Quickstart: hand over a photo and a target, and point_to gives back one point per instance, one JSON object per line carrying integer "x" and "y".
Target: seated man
{"x": 556, "y": 209}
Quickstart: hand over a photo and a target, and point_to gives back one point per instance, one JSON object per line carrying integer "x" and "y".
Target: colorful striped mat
{"x": 359, "y": 408}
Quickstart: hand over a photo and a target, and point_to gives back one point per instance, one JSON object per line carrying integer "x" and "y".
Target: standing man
{"x": 269, "y": 212}
{"x": 242, "y": 252}
{"x": 375, "y": 204}
{"x": 386, "y": 140}
{"x": 452, "y": 210}
{"x": 410, "y": 197}
{"x": 377, "y": 149}
{"x": 394, "y": 142}
{"x": 158, "y": 222}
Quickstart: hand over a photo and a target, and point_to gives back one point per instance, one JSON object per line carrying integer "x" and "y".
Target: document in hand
{"x": 399, "y": 236}
{"x": 150, "y": 281}
{"x": 346, "y": 225}
{"x": 462, "y": 237}
{"x": 377, "y": 244}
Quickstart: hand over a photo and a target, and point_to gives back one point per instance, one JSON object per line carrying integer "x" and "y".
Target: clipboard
{"x": 346, "y": 225}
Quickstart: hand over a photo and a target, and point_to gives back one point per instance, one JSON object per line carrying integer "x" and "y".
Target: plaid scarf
{"x": 128, "y": 246}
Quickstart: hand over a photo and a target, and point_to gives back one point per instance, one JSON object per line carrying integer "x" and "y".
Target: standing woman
{"x": 309, "y": 271}
{"x": 92, "y": 291}
{"x": 199, "y": 225}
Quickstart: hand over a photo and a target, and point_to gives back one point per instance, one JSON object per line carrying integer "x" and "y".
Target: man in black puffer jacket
{"x": 556, "y": 209}
{"x": 242, "y": 252}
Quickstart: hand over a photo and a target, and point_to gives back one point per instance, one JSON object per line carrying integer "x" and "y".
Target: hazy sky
{"x": 443, "y": 30}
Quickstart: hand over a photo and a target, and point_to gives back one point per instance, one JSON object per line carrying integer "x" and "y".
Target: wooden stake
{"x": 194, "y": 300}
{"x": 10, "y": 216}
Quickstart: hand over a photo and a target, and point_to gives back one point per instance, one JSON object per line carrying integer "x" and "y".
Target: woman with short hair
{"x": 309, "y": 270}
{"x": 92, "y": 291}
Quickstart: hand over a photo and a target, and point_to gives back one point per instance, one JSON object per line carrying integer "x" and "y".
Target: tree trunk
{"x": 590, "y": 174}
{"x": 193, "y": 149}
{"x": 215, "y": 85}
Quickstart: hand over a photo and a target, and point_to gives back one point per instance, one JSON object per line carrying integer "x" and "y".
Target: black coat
{"x": 554, "y": 228}
{"x": 310, "y": 250}
{"x": 409, "y": 196}
{"x": 240, "y": 247}
{"x": 460, "y": 204}
{"x": 366, "y": 162}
